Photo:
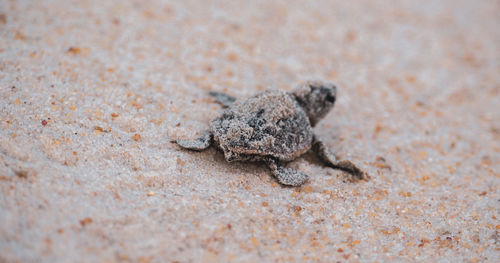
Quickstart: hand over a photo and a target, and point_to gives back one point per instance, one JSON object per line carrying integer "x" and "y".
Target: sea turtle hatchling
{"x": 274, "y": 127}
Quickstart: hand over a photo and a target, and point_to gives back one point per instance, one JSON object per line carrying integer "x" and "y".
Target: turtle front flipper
{"x": 198, "y": 144}
{"x": 331, "y": 161}
{"x": 222, "y": 98}
{"x": 286, "y": 176}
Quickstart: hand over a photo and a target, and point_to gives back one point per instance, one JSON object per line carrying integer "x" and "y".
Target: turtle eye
{"x": 330, "y": 98}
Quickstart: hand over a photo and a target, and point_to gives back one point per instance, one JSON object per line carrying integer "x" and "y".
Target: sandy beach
{"x": 93, "y": 94}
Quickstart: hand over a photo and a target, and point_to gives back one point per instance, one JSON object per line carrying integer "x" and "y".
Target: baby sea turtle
{"x": 275, "y": 127}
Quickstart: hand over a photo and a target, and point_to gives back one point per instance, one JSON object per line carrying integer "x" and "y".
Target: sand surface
{"x": 93, "y": 92}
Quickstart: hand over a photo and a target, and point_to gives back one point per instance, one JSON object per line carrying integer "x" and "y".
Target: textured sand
{"x": 93, "y": 92}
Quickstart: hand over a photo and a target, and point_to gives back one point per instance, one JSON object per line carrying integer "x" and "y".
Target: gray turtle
{"x": 274, "y": 127}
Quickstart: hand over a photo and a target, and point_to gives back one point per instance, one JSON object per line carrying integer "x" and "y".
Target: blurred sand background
{"x": 93, "y": 92}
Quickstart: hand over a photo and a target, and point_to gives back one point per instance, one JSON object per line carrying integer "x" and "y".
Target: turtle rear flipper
{"x": 198, "y": 144}
{"x": 222, "y": 98}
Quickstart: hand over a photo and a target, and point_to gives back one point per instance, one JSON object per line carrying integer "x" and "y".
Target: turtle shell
{"x": 270, "y": 123}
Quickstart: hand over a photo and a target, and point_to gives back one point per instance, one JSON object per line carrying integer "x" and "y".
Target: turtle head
{"x": 316, "y": 98}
